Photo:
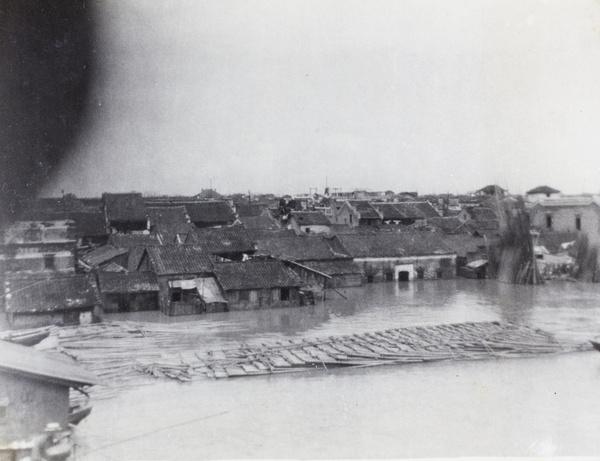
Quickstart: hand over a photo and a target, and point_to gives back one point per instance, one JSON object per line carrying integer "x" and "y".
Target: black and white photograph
{"x": 299, "y": 229}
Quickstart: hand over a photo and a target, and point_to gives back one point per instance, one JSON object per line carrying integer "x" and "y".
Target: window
{"x": 176, "y": 296}
{"x": 578, "y": 222}
{"x": 389, "y": 276}
{"x": 369, "y": 279}
{"x": 285, "y": 294}
{"x": 244, "y": 295}
{"x": 49, "y": 261}
{"x": 548, "y": 221}
{"x": 307, "y": 230}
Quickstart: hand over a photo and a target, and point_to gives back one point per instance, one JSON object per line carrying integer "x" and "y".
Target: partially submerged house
{"x": 39, "y": 247}
{"x": 400, "y": 256}
{"x": 125, "y": 213}
{"x": 55, "y": 300}
{"x": 258, "y": 284}
{"x": 315, "y": 260}
{"x": 172, "y": 264}
{"x": 128, "y": 291}
{"x": 34, "y": 391}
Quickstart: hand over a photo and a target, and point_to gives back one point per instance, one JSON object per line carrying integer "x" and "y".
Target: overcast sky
{"x": 276, "y": 96}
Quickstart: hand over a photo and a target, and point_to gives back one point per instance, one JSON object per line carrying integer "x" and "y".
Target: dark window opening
{"x": 403, "y": 276}
{"x": 389, "y": 277}
{"x": 369, "y": 279}
{"x": 176, "y": 296}
{"x": 578, "y": 223}
{"x": 440, "y": 274}
{"x": 285, "y": 294}
{"x": 548, "y": 222}
{"x": 49, "y": 261}
{"x": 307, "y": 230}
{"x": 244, "y": 295}
{"x": 420, "y": 273}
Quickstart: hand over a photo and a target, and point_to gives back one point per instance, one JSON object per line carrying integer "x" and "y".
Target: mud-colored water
{"x": 522, "y": 407}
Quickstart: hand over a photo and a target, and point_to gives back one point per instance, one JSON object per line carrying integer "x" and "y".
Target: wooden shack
{"x": 34, "y": 390}
{"x": 129, "y": 291}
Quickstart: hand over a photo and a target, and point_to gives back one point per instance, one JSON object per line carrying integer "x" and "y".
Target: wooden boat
{"x": 596, "y": 345}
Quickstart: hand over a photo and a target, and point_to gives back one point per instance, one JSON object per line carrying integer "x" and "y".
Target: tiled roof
{"x": 365, "y": 209}
{"x": 210, "y": 212}
{"x": 567, "y": 202}
{"x": 335, "y": 267}
{"x": 482, "y": 213}
{"x": 132, "y": 240}
{"x": 132, "y": 282}
{"x": 259, "y": 222}
{"x": 256, "y": 275}
{"x": 310, "y": 218}
{"x": 28, "y": 361}
{"x": 178, "y": 259}
{"x": 101, "y": 255}
{"x": 426, "y": 209}
{"x": 447, "y": 224}
{"x": 134, "y": 257}
{"x": 462, "y": 244}
{"x": 88, "y": 223}
{"x": 542, "y": 190}
{"x": 245, "y": 210}
{"x": 125, "y": 207}
{"x": 297, "y": 248}
{"x": 389, "y": 211}
{"x": 393, "y": 244}
{"x": 32, "y": 294}
{"x": 169, "y": 215}
{"x": 219, "y": 240}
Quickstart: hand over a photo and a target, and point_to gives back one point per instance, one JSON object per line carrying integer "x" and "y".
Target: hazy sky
{"x": 277, "y": 96}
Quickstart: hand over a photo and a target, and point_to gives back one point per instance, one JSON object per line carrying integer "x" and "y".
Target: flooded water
{"x": 548, "y": 406}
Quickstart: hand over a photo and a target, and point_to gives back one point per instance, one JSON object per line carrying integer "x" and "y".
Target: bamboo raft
{"x": 125, "y": 356}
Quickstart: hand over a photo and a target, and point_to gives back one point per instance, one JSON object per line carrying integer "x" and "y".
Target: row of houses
{"x": 168, "y": 258}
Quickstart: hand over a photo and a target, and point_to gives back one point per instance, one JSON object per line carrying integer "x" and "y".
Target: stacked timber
{"x": 124, "y": 356}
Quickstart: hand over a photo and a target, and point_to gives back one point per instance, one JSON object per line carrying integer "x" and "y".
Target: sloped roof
{"x": 335, "y": 267}
{"x": 101, "y": 255}
{"x": 297, "y": 249}
{"x": 38, "y": 295}
{"x": 169, "y": 215}
{"x": 210, "y": 212}
{"x": 482, "y": 213}
{"x": 132, "y": 240}
{"x": 30, "y": 362}
{"x": 245, "y": 210}
{"x": 365, "y": 209}
{"x": 573, "y": 201}
{"x": 219, "y": 240}
{"x": 393, "y": 244}
{"x": 124, "y": 207}
{"x": 259, "y": 222}
{"x": 88, "y": 223}
{"x": 427, "y": 209}
{"x": 178, "y": 259}
{"x": 310, "y": 218}
{"x": 542, "y": 190}
{"x": 389, "y": 211}
{"x": 409, "y": 210}
{"x": 132, "y": 282}
{"x": 261, "y": 234}
{"x": 255, "y": 275}
{"x": 447, "y": 224}
{"x": 463, "y": 244}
